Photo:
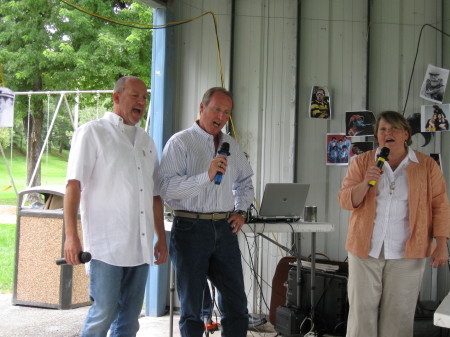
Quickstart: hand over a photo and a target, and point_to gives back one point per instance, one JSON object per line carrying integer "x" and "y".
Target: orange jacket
{"x": 429, "y": 210}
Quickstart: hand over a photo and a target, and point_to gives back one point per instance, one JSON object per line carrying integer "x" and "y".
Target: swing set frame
{"x": 74, "y": 119}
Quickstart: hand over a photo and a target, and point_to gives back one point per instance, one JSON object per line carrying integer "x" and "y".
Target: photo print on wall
{"x": 359, "y": 123}
{"x": 434, "y": 84}
{"x": 338, "y": 149}
{"x": 320, "y": 106}
{"x": 433, "y": 118}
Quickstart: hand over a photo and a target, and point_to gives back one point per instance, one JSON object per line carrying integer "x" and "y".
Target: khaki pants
{"x": 383, "y": 296}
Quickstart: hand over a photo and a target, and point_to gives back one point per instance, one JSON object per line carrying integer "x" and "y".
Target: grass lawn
{"x": 7, "y": 255}
{"x": 53, "y": 172}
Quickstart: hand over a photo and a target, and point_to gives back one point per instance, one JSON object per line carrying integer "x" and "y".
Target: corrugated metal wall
{"x": 362, "y": 51}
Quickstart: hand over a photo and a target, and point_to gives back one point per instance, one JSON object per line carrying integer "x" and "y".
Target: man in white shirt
{"x": 112, "y": 176}
{"x": 207, "y": 215}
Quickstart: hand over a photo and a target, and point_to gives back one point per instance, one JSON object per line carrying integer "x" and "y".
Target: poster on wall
{"x": 433, "y": 118}
{"x": 359, "y": 123}
{"x": 434, "y": 84}
{"x": 360, "y": 147}
{"x": 320, "y": 106}
{"x": 6, "y": 108}
{"x": 338, "y": 149}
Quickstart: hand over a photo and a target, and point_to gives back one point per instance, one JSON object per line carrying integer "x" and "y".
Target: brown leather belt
{"x": 202, "y": 216}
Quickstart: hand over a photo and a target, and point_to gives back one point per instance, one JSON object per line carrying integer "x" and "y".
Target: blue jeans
{"x": 118, "y": 295}
{"x": 201, "y": 249}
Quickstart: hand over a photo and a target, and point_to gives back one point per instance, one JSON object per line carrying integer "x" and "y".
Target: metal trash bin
{"x": 38, "y": 281}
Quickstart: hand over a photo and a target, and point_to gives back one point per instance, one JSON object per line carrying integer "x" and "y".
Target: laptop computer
{"x": 282, "y": 202}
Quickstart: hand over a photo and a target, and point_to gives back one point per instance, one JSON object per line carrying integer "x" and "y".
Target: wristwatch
{"x": 243, "y": 213}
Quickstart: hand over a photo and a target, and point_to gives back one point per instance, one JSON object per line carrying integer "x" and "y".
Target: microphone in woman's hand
{"x": 383, "y": 156}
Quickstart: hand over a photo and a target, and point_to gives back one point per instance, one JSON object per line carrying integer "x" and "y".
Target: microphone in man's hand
{"x": 382, "y": 157}
{"x": 224, "y": 149}
{"x": 83, "y": 256}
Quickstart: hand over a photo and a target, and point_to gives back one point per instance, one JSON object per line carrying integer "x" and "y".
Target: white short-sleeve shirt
{"x": 118, "y": 181}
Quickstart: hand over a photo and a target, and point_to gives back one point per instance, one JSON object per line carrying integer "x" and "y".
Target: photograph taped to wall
{"x": 434, "y": 84}
{"x": 437, "y": 159}
{"x": 338, "y": 149}
{"x": 6, "y": 108}
{"x": 359, "y": 123}
{"x": 434, "y": 117}
{"x": 320, "y": 106}
{"x": 360, "y": 147}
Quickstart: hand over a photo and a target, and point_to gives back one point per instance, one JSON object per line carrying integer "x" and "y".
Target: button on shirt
{"x": 117, "y": 188}
{"x": 185, "y": 184}
{"x": 391, "y": 226}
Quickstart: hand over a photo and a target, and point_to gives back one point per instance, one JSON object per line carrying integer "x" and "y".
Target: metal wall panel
{"x": 196, "y": 55}
{"x": 333, "y": 53}
{"x": 264, "y": 78}
{"x": 362, "y": 69}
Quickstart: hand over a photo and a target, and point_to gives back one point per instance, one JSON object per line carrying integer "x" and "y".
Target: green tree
{"x": 47, "y": 45}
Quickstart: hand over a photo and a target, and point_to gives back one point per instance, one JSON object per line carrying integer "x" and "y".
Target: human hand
{"x": 218, "y": 164}
{"x": 160, "y": 252}
{"x": 439, "y": 257}
{"x": 236, "y": 222}
{"x": 373, "y": 173}
{"x": 72, "y": 250}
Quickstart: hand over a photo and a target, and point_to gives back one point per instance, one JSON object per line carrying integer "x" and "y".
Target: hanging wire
{"x": 415, "y": 59}
{"x": 138, "y": 25}
{"x": 167, "y": 25}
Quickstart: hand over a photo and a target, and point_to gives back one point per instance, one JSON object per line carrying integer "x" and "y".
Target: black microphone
{"x": 382, "y": 157}
{"x": 83, "y": 256}
{"x": 224, "y": 149}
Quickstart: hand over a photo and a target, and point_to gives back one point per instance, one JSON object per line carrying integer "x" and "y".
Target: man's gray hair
{"x": 211, "y": 91}
{"x": 120, "y": 83}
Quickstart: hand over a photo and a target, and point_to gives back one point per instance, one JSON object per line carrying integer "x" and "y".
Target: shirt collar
{"x": 203, "y": 134}
{"x": 411, "y": 155}
{"x": 115, "y": 119}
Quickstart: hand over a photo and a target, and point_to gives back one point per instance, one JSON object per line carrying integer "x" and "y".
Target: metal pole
{"x": 46, "y": 140}
{"x": 313, "y": 274}
{"x": 7, "y": 166}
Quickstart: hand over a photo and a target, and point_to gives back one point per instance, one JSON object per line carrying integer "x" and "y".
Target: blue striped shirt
{"x": 185, "y": 184}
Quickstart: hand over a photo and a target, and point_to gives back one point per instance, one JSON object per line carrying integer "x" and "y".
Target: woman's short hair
{"x": 395, "y": 119}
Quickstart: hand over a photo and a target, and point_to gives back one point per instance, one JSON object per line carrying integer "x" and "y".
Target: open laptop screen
{"x": 283, "y": 200}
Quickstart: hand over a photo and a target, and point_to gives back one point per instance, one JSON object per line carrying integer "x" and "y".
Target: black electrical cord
{"x": 256, "y": 275}
{"x": 415, "y": 59}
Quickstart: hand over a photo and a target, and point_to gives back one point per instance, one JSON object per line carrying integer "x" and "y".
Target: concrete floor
{"x": 22, "y": 321}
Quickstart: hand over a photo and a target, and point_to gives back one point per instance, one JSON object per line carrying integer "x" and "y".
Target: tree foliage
{"x": 47, "y": 45}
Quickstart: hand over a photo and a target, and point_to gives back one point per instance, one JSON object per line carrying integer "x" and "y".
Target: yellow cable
{"x": 233, "y": 129}
{"x": 167, "y": 25}
{"x": 143, "y": 25}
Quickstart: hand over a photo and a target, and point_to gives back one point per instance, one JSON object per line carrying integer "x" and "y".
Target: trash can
{"x": 38, "y": 281}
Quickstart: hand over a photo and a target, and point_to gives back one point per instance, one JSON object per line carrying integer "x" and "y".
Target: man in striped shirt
{"x": 208, "y": 215}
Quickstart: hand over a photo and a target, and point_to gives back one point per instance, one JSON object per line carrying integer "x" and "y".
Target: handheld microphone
{"x": 83, "y": 256}
{"x": 224, "y": 149}
{"x": 382, "y": 157}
